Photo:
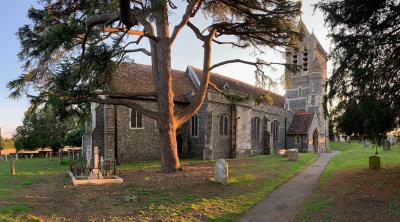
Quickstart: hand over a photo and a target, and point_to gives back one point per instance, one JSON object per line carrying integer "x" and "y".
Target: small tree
{"x": 44, "y": 128}
{"x": 366, "y": 116}
{"x": 73, "y": 46}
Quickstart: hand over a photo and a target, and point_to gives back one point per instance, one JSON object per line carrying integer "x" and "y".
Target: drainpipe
{"x": 233, "y": 130}
{"x": 116, "y": 135}
{"x": 285, "y": 134}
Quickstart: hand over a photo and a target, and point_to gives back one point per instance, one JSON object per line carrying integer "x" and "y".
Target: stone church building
{"x": 236, "y": 119}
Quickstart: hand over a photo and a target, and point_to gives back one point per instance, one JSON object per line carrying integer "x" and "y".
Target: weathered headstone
{"x": 221, "y": 171}
{"x": 293, "y": 154}
{"x": 282, "y": 152}
{"x": 386, "y": 145}
{"x": 374, "y": 162}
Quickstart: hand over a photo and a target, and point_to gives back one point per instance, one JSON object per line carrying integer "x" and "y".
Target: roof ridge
{"x": 230, "y": 78}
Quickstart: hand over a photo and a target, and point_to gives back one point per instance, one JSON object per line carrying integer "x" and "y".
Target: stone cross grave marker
{"x": 221, "y": 171}
{"x": 96, "y": 174}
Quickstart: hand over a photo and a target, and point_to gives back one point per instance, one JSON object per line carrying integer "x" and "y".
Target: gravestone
{"x": 101, "y": 162}
{"x": 386, "y": 145}
{"x": 374, "y": 162}
{"x": 96, "y": 173}
{"x": 293, "y": 154}
{"x": 221, "y": 171}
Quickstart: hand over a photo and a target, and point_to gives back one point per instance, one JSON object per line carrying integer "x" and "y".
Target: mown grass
{"x": 28, "y": 172}
{"x": 154, "y": 164}
{"x": 237, "y": 201}
{"x": 248, "y": 184}
{"x": 352, "y": 156}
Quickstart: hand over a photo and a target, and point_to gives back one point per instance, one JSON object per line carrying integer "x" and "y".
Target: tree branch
{"x": 196, "y": 31}
{"x": 128, "y": 103}
{"x": 232, "y": 43}
{"x": 195, "y": 105}
{"x": 145, "y": 51}
{"x": 127, "y": 94}
{"x": 190, "y": 12}
{"x": 258, "y": 63}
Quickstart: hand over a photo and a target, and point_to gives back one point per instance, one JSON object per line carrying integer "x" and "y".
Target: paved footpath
{"x": 283, "y": 204}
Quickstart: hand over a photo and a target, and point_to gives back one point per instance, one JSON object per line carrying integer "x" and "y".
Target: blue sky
{"x": 187, "y": 51}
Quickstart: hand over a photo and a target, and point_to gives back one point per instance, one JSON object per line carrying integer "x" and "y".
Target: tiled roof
{"x": 135, "y": 78}
{"x": 232, "y": 85}
{"x": 301, "y": 123}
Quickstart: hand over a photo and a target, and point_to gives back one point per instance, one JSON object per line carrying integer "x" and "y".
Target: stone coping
{"x": 81, "y": 181}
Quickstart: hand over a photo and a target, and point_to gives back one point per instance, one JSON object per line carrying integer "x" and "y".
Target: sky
{"x": 186, "y": 51}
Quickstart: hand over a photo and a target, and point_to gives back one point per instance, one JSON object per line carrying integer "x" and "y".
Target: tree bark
{"x": 165, "y": 99}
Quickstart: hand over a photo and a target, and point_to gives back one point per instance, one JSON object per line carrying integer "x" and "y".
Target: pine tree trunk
{"x": 168, "y": 148}
{"x": 165, "y": 100}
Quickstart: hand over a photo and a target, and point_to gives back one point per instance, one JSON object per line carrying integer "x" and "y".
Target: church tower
{"x": 305, "y": 93}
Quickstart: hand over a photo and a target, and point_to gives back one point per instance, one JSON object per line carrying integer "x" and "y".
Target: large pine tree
{"x": 72, "y": 47}
{"x": 366, "y": 52}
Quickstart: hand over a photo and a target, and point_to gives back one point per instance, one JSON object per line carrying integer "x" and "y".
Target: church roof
{"x": 137, "y": 78}
{"x": 224, "y": 83}
{"x": 301, "y": 123}
{"x": 316, "y": 66}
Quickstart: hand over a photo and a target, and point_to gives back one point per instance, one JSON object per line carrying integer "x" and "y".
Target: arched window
{"x": 136, "y": 119}
{"x": 223, "y": 125}
{"x": 275, "y": 130}
{"x": 305, "y": 59}
{"x": 255, "y": 129}
{"x": 194, "y": 126}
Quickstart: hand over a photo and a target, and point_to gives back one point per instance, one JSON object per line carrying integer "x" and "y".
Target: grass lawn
{"x": 349, "y": 191}
{"x": 42, "y": 190}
